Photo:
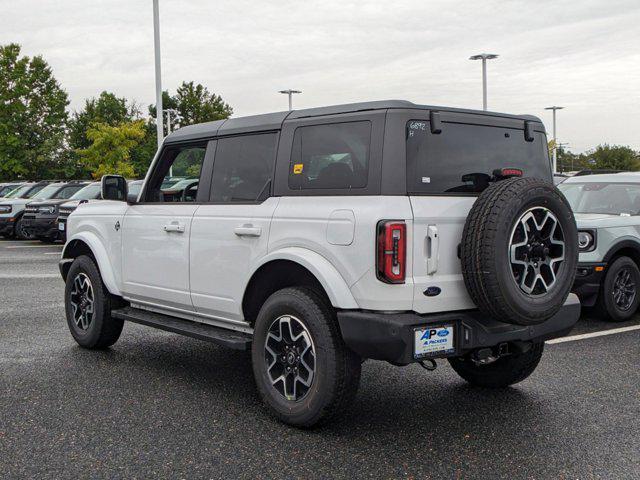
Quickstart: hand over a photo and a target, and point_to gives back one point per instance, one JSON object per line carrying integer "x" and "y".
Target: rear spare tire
{"x": 519, "y": 251}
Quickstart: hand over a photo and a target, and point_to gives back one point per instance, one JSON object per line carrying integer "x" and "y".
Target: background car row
{"x": 38, "y": 210}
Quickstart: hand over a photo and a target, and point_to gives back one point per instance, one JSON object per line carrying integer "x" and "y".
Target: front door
{"x": 156, "y": 231}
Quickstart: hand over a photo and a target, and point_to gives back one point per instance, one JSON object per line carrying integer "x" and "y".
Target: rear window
{"x": 462, "y": 158}
{"x": 330, "y": 156}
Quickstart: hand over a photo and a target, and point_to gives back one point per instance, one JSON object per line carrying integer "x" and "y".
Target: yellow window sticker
{"x": 297, "y": 168}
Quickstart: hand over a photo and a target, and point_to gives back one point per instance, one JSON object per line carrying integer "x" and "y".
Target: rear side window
{"x": 461, "y": 159}
{"x": 330, "y": 156}
{"x": 68, "y": 192}
{"x": 243, "y": 167}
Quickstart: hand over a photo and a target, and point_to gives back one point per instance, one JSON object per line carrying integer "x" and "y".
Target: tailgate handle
{"x": 433, "y": 242}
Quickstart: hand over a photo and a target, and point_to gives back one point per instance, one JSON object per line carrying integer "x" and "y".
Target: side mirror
{"x": 114, "y": 187}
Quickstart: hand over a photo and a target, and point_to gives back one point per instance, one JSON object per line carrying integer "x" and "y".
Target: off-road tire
{"x": 505, "y": 371}
{"x": 606, "y": 307}
{"x": 104, "y": 330}
{"x": 19, "y": 233}
{"x": 484, "y": 251}
{"x": 337, "y": 369}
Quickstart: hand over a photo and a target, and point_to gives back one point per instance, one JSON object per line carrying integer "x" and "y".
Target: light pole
{"x": 484, "y": 57}
{"x": 169, "y": 111}
{"x": 156, "y": 48}
{"x": 555, "y": 138}
{"x": 290, "y": 93}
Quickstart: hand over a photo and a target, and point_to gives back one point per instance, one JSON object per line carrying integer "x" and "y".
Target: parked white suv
{"x": 318, "y": 238}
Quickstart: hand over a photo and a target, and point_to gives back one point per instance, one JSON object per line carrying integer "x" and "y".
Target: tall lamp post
{"x": 555, "y": 138}
{"x": 156, "y": 48}
{"x": 176, "y": 114}
{"x": 290, "y": 93}
{"x": 484, "y": 57}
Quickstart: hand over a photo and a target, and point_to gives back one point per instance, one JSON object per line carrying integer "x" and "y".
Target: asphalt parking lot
{"x": 160, "y": 405}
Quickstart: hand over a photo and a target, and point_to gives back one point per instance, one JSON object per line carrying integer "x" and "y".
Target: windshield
{"x": 7, "y": 189}
{"x": 607, "y": 198}
{"x": 47, "y": 192}
{"x": 90, "y": 192}
{"x": 17, "y": 192}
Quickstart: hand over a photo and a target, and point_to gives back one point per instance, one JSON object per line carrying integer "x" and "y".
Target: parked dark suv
{"x": 39, "y": 219}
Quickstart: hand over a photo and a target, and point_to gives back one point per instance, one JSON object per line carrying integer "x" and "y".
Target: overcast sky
{"x": 581, "y": 54}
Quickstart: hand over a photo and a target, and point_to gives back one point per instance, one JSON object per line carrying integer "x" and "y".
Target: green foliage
{"x": 195, "y": 104}
{"x": 614, "y": 157}
{"x": 111, "y": 146}
{"x": 32, "y": 116}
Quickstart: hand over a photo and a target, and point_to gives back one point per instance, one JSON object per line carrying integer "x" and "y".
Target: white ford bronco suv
{"x": 322, "y": 237}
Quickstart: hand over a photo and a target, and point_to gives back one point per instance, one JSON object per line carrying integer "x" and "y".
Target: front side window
{"x": 243, "y": 167}
{"x": 462, "y": 158}
{"x": 604, "y": 198}
{"x": 330, "y": 156}
{"x": 177, "y": 161}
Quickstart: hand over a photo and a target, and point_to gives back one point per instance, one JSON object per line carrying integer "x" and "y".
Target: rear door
{"x": 230, "y": 232}
{"x": 448, "y": 166}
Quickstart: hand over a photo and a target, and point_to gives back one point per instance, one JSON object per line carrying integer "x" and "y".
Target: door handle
{"x": 247, "y": 231}
{"x": 433, "y": 243}
{"x": 174, "y": 227}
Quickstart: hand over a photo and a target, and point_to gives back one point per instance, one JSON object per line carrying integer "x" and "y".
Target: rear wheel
{"x": 501, "y": 373}
{"x": 619, "y": 292}
{"x": 304, "y": 371}
{"x": 88, "y": 306}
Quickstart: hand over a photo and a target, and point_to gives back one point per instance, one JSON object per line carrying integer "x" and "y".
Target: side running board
{"x": 201, "y": 331}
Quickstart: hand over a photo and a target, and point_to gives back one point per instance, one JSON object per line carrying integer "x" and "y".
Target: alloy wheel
{"x": 82, "y": 301}
{"x": 624, "y": 289}
{"x": 536, "y": 251}
{"x": 290, "y": 357}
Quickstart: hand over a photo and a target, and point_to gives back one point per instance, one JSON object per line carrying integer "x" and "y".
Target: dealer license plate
{"x": 430, "y": 341}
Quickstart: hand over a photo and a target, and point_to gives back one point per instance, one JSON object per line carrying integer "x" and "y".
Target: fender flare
{"x": 628, "y": 242}
{"x": 100, "y": 254}
{"x": 334, "y": 285}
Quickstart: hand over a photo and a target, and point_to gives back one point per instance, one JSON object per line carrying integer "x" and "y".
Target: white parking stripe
{"x": 11, "y": 276}
{"x": 601, "y": 333}
{"x": 35, "y": 246}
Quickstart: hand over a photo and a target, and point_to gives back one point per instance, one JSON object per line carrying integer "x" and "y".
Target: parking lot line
{"x": 13, "y": 276}
{"x": 600, "y": 333}
{"x": 34, "y": 246}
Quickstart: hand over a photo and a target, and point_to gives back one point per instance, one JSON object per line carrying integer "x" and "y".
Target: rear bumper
{"x": 390, "y": 336}
{"x": 587, "y": 283}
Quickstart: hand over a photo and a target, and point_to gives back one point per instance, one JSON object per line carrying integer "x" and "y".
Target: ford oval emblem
{"x": 432, "y": 291}
{"x": 443, "y": 333}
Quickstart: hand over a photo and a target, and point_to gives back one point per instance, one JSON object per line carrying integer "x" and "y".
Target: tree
{"x": 107, "y": 109}
{"x": 195, "y": 104}
{"x": 614, "y": 157}
{"x": 33, "y": 116}
{"x": 110, "y": 149}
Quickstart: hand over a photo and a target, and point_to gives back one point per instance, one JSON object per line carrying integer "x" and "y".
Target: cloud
{"x": 579, "y": 54}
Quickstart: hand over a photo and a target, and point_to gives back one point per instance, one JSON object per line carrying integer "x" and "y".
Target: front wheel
{"x": 619, "y": 292}
{"x": 304, "y": 371}
{"x": 88, "y": 306}
{"x": 21, "y": 233}
{"x": 501, "y": 373}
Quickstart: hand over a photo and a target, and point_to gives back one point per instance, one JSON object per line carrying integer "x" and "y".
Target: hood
{"x": 69, "y": 204}
{"x": 46, "y": 203}
{"x": 603, "y": 220}
{"x": 14, "y": 201}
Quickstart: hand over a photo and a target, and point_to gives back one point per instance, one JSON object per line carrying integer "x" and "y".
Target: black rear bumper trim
{"x": 389, "y": 336}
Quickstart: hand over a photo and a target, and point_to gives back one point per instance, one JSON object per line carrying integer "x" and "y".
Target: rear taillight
{"x": 392, "y": 251}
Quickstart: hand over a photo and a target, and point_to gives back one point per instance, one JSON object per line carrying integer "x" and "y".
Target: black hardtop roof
{"x": 273, "y": 121}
